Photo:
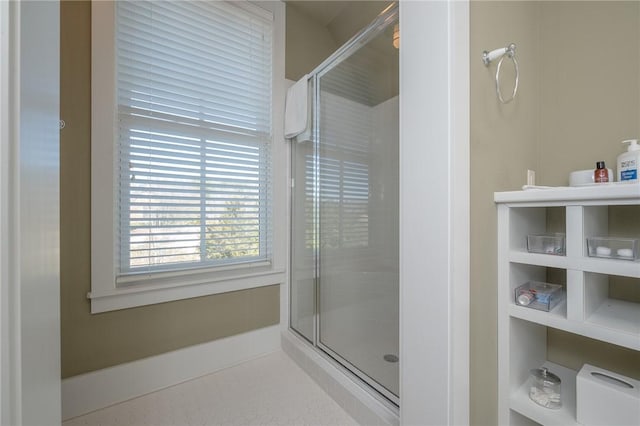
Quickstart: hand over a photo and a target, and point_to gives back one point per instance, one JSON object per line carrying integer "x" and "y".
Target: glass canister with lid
{"x": 544, "y": 388}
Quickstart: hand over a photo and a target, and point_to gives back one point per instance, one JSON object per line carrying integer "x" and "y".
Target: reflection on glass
{"x": 358, "y": 211}
{"x": 303, "y": 290}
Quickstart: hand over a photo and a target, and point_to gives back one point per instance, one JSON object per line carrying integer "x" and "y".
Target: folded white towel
{"x": 296, "y": 108}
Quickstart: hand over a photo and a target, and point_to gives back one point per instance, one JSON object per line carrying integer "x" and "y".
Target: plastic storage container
{"x": 544, "y": 388}
{"x": 614, "y": 248}
{"x": 546, "y": 244}
{"x": 539, "y": 295}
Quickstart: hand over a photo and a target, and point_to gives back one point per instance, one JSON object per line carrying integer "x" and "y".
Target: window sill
{"x": 150, "y": 291}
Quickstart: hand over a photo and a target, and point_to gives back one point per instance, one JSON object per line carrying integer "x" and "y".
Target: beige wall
{"x": 590, "y": 92}
{"x": 354, "y": 17}
{"x": 90, "y": 342}
{"x": 503, "y": 147}
{"x": 307, "y": 44}
{"x": 579, "y": 96}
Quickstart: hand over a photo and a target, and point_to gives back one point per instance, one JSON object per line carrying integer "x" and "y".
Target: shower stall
{"x": 344, "y": 295}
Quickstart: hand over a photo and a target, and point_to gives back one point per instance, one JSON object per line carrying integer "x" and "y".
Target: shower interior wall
{"x": 579, "y": 96}
{"x": 383, "y": 219}
{"x": 358, "y": 282}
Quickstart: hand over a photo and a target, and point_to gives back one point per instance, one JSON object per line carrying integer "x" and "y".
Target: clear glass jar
{"x": 544, "y": 388}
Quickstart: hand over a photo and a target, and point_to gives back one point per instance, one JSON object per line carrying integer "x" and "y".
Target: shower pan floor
{"x": 364, "y": 334}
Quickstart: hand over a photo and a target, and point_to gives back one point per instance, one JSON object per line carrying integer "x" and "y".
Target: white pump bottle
{"x": 629, "y": 162}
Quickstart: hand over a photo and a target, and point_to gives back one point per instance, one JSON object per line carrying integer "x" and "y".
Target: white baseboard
{"x": 99, "y": 389}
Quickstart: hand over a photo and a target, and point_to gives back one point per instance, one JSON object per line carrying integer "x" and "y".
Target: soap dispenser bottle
{"x": 629, "y": 162}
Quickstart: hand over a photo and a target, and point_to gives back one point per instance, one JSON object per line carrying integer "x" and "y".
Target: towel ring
{"x": 510, "y": 52}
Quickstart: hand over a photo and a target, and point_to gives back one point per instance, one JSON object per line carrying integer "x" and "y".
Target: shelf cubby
{"x": 534, "y": 221}
{"x": 602, "y": 310}
{"x": 565, "y": 415}
{"x": 521, "y": 273}
{"x": 530, "y": 340}
{"x": 602, "y": 295}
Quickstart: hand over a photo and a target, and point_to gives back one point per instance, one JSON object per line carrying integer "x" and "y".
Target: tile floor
{"x": 271, "y": 390}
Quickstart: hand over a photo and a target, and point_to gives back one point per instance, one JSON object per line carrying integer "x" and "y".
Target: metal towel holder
{"x": 509, "y": 52}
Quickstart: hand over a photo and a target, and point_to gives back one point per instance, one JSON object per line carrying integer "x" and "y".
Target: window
{"x": 195, "y": 122}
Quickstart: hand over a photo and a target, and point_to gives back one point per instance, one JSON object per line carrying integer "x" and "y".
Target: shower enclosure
{"x": 344, "y": 248}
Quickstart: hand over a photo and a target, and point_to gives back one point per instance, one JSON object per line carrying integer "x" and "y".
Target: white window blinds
{"x": 194, "y": 122}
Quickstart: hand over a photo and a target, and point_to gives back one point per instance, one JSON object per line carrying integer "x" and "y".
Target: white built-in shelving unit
{"x": 588, "y": 310}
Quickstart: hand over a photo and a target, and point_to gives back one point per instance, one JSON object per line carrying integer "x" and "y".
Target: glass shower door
{"x": 302, "y": 296}
{"x": 357, "y": 212}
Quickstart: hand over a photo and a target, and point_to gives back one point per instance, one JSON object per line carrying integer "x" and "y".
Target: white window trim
{"x": 164, "y": 287}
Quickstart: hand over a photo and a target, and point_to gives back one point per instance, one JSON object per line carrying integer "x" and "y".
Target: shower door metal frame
{"x": 384, "y": 19}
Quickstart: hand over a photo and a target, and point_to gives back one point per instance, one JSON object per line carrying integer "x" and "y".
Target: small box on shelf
{"x": 539, "y": 295}
{"x": 546, "y": 244}
{"x": 614, "y": 248}
{"x": 604, "y": 397}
